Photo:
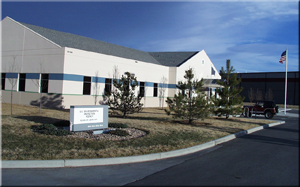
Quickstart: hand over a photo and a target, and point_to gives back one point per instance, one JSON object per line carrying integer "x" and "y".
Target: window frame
{"x": 87, "y": 82}
{"x": 3, "y": 79}
{"x": 142, "y": 89}
{"x": 44, "y": 83}
{"x": 155, "y": 89}
{"x": 108, "y": 86}
{"x": 22, "y": 82}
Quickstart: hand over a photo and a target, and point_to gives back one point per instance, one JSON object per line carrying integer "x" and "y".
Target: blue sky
{"x": 252, "y": 34}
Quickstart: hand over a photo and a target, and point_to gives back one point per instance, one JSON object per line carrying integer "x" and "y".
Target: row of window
{"x": 43, "y": 83}
{"x": 87, "y": 82}
{"x": 108, "y": 86}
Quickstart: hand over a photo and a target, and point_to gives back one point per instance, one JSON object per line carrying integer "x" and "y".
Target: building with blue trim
{"x": 70, "y": 70}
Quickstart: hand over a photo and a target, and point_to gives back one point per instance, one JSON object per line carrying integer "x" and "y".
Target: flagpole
{"x": 285, "y": 91}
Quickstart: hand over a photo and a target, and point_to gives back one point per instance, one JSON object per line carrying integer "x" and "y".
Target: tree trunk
{"x": 11, "y": 99}
{"x": 40, "y": 102}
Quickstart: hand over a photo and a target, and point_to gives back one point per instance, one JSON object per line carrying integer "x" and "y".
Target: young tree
{"x": 123, "y": 98}
{"x": 269, "y": 95}
{"x": 251, "y": 94}
{"x": 258, "y": 95}
{"x": 96, "y": 87}
{"x": 162, "y": 90}
{"x": 12, "y": 80}
{"x": 190, "y": 103}
{"x": 230, "y": 102}
{"x": 40, "y": 84}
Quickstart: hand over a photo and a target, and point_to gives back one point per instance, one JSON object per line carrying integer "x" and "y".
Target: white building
{"x": 76, "y": 70}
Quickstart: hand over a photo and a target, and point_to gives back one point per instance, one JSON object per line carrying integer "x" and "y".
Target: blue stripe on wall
{"x": 72, "y": 77}
{"x": 98, "y": 79}
{"x": 149, "y": 84}
{"x": 56, "y": 76}
{"x": 32, "y": 76}
{"x": 11, "y": 75}
{"x": 171, "y": 85}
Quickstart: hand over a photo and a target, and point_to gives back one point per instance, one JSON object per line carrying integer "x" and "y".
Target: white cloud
{"x": 237, "y": 31}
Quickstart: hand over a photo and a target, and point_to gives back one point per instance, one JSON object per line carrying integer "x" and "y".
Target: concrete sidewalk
{"x": 129, "y": 159}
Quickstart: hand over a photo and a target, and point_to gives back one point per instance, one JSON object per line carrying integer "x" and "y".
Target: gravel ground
{"x": 133, "y": 133}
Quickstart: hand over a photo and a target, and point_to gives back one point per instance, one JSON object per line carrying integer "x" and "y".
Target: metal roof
{"x": 172, "y": 59}
{"x": 63, "y": 39}
{"x": 88, "y": 44}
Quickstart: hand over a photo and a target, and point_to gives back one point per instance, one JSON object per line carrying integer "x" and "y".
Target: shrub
{"x": 50, "y": 129}
{"x": 118, "y": 132}
{"x": 117, "y": 125}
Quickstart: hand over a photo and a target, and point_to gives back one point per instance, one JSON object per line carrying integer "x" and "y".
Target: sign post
{"x": 88, "y": 117}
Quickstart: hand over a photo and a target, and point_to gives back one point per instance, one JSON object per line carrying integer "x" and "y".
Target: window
{"x": 44, "y": 83}
{"x": 22, "y": 79}
{"x": 107, "y": 89}
{"x": 155, "y": 90}
{"x": 87, "y": 85}
{"x": 213, "y": 72}
{"x": 3, "y": 75}
{"x": 142, "y": 89}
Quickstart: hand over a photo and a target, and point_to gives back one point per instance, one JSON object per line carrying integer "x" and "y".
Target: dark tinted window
{"x": 22, "y": 80}
{"x": 3, "y": 75}
{"x": 44, "y": 83}
{"x": 87, "y": 85}
{"x": 142, "y": 89}
{"x": 107, "y": 88}
{"x": 155, "y": 90}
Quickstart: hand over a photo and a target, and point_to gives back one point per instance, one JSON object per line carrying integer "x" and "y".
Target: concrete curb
{"x": 129, "y": 159}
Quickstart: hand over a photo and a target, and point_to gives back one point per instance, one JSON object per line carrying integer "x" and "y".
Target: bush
{"x": 50, "y": 129}
{"x": 118, "y": 132}
{"x": 117, "y": 125}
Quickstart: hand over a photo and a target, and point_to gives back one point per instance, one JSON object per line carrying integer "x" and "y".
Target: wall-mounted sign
{"x": 88, "y": 117}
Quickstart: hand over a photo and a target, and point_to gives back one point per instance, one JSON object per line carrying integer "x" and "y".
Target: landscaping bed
{"x": 150, "y": 131}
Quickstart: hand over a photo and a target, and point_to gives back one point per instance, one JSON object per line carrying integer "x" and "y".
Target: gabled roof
{"x": 172, "y": 59}
{"x": 88, "y": 44}
{"x": 63, "y": 39}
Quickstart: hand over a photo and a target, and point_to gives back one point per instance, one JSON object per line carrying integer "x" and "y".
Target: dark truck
{"x": 266, "y": 108}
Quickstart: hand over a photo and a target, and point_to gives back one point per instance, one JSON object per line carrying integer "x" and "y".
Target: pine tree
{"x": 230, "y": 101}
{"x": 190, "y": 103}
{"x": 123, "y": 98}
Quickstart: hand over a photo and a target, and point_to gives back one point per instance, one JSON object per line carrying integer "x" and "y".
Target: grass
{"x": 164, "y": 134}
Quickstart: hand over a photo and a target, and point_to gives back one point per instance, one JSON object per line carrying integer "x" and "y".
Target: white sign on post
{"x": 84, "y": 118}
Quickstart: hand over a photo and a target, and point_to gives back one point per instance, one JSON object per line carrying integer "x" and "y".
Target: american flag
{"x": 283, "y": 57}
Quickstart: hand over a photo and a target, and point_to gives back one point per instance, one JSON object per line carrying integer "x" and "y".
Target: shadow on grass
{"x": 139, "y": 118}
{"x": 39, "y": 119}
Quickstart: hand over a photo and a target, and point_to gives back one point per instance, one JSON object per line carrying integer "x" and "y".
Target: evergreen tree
{"x": 230, "y": 101}
{"x": 190, "y": 103}
{"x": 123, "y": 98}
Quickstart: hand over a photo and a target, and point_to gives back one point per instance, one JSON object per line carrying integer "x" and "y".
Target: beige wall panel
{"x": 29, "y": 50}
{"x": 200, "y": 70}
{"x": 11, "y": 84}
{"x": 71, "y": 100}
{"x": 31, "y": 85}
{"x": 33, "y": 99}
{"x": 55, "y": 86}
{"x": 93, "y": 62}
{"x": 73, "y": 87}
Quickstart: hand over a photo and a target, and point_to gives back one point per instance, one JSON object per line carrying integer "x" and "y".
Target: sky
{"x": 252, "y": 34}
